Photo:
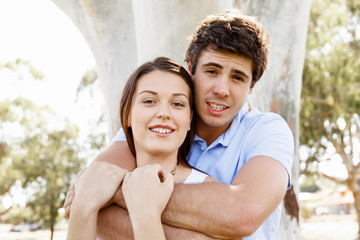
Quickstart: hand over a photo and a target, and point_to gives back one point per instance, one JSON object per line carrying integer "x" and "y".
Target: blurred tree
{"x": 22, "y": 67}
{"x": 44, "y": 156}
{"x": 8, "y": 174}
{"x": 40, "y": 151}
{"x": 330, "y": 122}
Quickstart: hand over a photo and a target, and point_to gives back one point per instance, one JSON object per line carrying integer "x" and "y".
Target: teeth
{"x": 216, "y": 107}
{"x": 161, "y": 130}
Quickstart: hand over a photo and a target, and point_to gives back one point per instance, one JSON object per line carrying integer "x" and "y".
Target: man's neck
{"x": 210, "y": 133}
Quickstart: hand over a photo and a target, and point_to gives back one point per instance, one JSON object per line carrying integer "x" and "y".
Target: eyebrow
{"x": 242, "y": 73}
{"x": 155, "y": 93}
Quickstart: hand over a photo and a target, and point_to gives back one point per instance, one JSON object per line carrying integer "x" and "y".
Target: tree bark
{"x": 162, "y": 27}
{"x": 354, "y": 186}
{"x": 279, "y": 90}
{"x": 121, "y": 38}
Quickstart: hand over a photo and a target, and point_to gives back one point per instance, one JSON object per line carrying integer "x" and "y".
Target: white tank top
{"x": 195, "y": 177}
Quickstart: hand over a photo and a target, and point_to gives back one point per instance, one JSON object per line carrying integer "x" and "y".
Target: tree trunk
{"x": 108, "y": 28}
{"x": 279, "y": 89}
{"x": 5, "y": 211}
{"x": 121, "y": 38}
{"x": 354, "y": 186}
{"x": 51, "y": 233}
{"x": 166, "y": 25}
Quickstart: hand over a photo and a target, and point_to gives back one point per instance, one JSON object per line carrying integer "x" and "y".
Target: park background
{"x": 53, "y": 114}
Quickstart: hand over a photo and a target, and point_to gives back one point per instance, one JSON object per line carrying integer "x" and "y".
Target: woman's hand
{"x": 147, "y": 191}
{"x": 97, "y": 185}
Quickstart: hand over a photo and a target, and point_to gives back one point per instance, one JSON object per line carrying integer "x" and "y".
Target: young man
{"x": 250, "y": 152}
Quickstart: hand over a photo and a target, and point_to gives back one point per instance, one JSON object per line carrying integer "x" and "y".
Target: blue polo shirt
{"x": 251, "y": 133}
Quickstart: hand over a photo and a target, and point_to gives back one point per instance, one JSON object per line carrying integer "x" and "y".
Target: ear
{"x": 189, "y": 67}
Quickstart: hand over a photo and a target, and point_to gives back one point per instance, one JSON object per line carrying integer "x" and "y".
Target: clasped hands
{"x": 95, "y": 186}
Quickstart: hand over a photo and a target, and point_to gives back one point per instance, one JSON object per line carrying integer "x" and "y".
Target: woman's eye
{"x": 148, "y": 101}
{"x": 178, "y": 104}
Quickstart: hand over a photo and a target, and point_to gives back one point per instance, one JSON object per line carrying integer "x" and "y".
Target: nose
{"x": 163, "y": 112}
{"x": 221, "y": 87}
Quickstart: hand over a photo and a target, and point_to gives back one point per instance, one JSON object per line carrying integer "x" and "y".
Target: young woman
{"x": 156, "y": 115}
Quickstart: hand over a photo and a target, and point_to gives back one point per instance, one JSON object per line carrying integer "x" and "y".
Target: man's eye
{"x": 238, "y": 78}
{"x": 211, "y": 72}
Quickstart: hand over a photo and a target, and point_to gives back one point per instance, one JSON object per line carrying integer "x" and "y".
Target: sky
{"x": 38, "y": 31}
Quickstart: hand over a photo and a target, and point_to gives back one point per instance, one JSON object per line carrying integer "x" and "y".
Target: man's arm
{"x": 114, "y": 223}
{"x": 217, "y": 209}
{"x": 230, "y": 211}
{"x": 118, "y": 153}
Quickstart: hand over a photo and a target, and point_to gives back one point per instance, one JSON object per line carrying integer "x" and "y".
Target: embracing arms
{"x": 227, "y": 211}
{"x": 102, "y": 177}
{"x": 230, "y": 211}
{"x": 114, "y": 221}
{"x": 215, "y": 209}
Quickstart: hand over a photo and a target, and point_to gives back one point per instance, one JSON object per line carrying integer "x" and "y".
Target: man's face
{"x": 222, "y": 84}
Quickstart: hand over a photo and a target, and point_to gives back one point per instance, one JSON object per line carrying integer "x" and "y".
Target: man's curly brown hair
{"x": 231, "y": 32}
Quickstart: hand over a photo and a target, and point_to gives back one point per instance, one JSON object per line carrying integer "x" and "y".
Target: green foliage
{"x": 44, "y": 156}
{"x": 306, "y": 213}
{"x": 23, "y": 66}
{"x": 19, "y": 215}
{"x": 88, "y": 80}
{"x": 40, "y": 152}
{"x": 330, "y": 101}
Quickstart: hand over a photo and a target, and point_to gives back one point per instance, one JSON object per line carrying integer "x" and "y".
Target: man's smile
{"x": 217, "y": 107}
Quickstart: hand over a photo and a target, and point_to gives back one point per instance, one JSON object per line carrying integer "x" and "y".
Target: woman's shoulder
{"x": 187, "y": 175}
{"x": 195, "y": 176}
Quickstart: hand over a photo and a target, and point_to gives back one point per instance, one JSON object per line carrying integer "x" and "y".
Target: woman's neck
{"x": 167, "y": 162}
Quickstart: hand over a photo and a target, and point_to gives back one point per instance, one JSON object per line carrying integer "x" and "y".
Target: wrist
{"x": 84, "y": 208}
{"x": 118, "y": 198}
{"x": 141, "y": 221}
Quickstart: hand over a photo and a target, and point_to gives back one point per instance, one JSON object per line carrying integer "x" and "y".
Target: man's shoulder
{"x": 258, "y": 118}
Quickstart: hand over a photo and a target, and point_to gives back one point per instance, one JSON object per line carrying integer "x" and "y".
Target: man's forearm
{"x": 198, "y": 207}
{"x": 114, "y": 223}
{"x": 175, "y": 233}
{"x": 230, "y": 211}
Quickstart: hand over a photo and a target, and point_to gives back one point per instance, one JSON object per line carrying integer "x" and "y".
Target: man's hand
{"x": 69, "y": 199}
{"x": 71, "y": 194}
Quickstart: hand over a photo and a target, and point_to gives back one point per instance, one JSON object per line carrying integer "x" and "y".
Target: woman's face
{"x": 160, "y": 114}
